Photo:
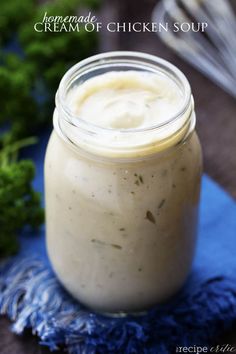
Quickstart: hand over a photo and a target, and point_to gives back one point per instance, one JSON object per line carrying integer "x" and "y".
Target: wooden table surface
{"x": 216, "y": 126}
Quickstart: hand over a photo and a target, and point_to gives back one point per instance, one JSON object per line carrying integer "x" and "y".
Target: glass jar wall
{"x": 122, "y": 204}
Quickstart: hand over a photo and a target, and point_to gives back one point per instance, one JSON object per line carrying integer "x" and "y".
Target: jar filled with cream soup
{"x": 122, "y": 177}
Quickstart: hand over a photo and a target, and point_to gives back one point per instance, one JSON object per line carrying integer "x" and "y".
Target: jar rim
{"x": 140, "y": 60}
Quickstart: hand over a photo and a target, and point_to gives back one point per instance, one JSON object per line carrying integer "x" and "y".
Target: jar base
{"x": 122, "y": 314}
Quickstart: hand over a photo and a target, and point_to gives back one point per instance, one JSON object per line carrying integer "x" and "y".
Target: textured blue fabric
{"x": 32, "y": 297}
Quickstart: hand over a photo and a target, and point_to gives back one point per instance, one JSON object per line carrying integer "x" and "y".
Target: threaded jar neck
{"x": 121, "y": 143}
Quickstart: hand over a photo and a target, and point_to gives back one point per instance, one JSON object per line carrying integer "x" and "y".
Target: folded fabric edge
{"x": 32, "y": 297}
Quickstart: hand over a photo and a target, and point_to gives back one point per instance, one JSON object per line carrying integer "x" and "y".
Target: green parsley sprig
{"x": 19, "y": 203}
{"x": 29, "y": 78}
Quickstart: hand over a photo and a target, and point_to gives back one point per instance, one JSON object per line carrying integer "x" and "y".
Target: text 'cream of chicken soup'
{"x": 122, "y": 176}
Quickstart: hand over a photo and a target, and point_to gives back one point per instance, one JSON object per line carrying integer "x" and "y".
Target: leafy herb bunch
{"x": 31, "y": 65}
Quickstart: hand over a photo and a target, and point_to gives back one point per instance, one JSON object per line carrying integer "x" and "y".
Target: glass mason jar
{"x": 122, "y": 213}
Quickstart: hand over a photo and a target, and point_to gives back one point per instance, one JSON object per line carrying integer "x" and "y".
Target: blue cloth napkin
{"x": 33, "y": 298}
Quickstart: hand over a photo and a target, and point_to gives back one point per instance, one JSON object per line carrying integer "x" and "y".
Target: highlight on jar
{"x": 122, "y": 178}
